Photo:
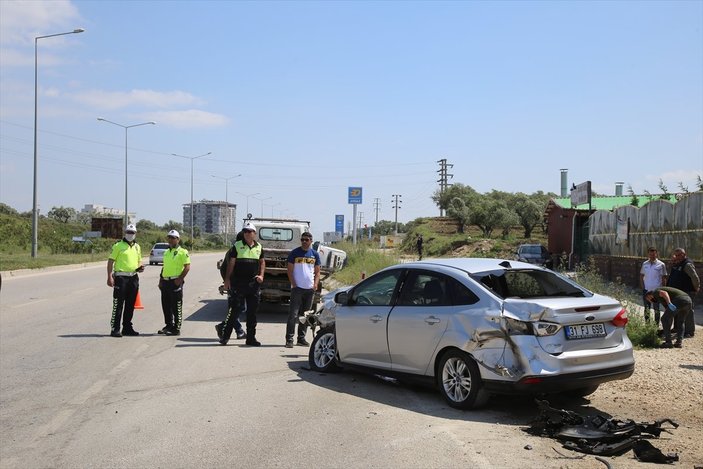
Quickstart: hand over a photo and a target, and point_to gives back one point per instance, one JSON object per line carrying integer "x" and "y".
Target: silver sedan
{"x": 473, "y": 327}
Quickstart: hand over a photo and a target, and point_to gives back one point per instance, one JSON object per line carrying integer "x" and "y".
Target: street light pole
{"x": 262, "y": 204}
{"x": 191, "y": 158}
{"x": 35, "y": 210}
{"x": 226, "y": 200}
{"x": 126, "y": 128}
{"x": 247, "y": 196}
{"x": 272, "y": 206}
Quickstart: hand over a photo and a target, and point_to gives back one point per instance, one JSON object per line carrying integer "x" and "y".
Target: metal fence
{"x": 628, "y": 231}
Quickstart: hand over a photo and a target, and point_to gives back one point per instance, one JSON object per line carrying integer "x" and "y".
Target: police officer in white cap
{"x": 245, "y": 273}
{"x": 122, "y": 266}
{"x": 176, "y": 267}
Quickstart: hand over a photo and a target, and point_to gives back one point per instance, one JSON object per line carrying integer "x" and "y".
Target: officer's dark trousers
{"x": 677, "y": 319}
{"x": 243, "y": 296}
{"x": 172, "y": 303}
{"x": 124, "y": 294}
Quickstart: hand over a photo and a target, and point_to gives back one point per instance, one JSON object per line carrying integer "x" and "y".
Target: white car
{"x": 156, "y": 256}
{"x": 473, "y": 327}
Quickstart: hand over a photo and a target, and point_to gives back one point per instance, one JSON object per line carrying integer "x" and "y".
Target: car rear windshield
{"x": 536, "y": 249}
{"x": 526, "y": 283}
{"x": 275, "y": 234}
{"x": 161, "y": 246}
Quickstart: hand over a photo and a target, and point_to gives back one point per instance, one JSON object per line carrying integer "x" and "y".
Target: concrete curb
{"x": 54, "y": 268}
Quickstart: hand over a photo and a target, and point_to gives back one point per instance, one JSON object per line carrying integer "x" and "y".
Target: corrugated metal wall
{"x": 659, "y": 223}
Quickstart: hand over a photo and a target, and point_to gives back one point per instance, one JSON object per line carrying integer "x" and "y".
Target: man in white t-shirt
{"x": 652, "y": 275}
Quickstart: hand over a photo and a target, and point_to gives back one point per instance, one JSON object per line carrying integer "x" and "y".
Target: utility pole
{"x": 376, "y": 208}
{"x": 444, "y": 177}
{"x": 396, "y": 205}
{"x": 359, "y": 219}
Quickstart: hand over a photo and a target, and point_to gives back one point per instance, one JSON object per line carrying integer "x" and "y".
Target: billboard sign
{"x": 581, "y": 194}
{"x": 355, "y": 195}
{"x": 339, "y": 224}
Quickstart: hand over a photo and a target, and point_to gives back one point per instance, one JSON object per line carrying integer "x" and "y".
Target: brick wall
{"x": 627, "y": 270}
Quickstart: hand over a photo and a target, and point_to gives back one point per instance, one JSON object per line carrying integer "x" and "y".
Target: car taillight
{"x": 620, "y": 320}
{"x": 546, "y": 328}
{"x": 516, "y": 327}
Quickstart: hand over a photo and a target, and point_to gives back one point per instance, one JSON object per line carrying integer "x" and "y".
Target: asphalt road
{"x": 71, "y": 396}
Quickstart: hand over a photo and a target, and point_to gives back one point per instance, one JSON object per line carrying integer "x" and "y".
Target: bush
{"x": 361, "y": 258}
{"x": 641, "y": 334}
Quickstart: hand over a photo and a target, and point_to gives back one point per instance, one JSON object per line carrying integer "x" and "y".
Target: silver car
{"x": 156, "y": 256}
{"x": 473, "y": 327}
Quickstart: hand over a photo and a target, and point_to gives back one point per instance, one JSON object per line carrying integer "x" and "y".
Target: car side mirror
{"x": 341, "y": 298}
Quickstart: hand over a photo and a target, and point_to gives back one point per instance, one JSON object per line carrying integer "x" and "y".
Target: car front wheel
{"x": 460, "y": 382}
{"x": 323, "y": 352}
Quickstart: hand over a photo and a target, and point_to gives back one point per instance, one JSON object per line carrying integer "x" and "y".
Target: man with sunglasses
{"x": 304, "y": 277}
{"x": 245, "y": 273}
{"x": 176, "y": 267}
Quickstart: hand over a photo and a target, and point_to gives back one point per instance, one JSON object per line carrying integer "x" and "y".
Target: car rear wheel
{"x": 460, "y": 381}
{"x": 323, "y": 352}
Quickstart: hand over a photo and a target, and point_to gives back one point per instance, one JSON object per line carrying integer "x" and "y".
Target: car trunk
{"x": 584, "y": 325}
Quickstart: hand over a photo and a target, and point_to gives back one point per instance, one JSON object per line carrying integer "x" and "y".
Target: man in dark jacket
{"x": 684, "y": 277}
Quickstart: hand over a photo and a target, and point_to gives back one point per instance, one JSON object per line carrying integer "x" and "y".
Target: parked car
{"x": 157, "y": 253}
{"x": 534, "y": 254}
{"x": 473, "y": 327}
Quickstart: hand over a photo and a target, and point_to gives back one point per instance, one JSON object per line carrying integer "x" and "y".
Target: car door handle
{"x": 376, "y": 318}
{"x": 432, "y": 320}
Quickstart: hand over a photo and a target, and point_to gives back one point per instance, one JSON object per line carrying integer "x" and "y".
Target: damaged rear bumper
{"x": 559, "y": 383}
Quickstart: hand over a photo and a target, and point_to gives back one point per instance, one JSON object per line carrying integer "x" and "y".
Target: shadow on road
{"x": 503, "y": 409}
{"x": 216, "y": 311}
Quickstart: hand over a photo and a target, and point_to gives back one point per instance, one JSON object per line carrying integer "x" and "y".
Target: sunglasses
{"x": 249, "y": 231}
{"x": 306, "y": 239}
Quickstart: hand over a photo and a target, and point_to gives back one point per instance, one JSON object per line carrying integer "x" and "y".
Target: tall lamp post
{"x": 126, "y": 128}
{"x": 191, "y": 158}
{"x": 226, "y": 200}
{"x": 35, "y": 210}
{"x": 274, "y": 205}
{"x": 262, "y": 204}
{"x": 247, "y": 196}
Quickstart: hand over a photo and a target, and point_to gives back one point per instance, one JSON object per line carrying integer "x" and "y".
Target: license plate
{"x": 585, "y": 331}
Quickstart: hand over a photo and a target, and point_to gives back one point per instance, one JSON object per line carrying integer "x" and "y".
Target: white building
{"x": 212, "y": 216}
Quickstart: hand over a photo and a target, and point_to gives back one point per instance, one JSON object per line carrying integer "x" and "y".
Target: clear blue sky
{"x": 305, "y": 99}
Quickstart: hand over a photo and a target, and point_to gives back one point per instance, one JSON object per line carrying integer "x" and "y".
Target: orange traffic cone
{"x": 138, "y": 302}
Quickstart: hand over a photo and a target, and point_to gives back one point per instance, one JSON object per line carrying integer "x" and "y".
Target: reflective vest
{"x": 127, "y": 258}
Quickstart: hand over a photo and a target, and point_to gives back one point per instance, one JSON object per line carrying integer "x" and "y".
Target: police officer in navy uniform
{"x": 124, "y": 263}
{"x": 245, "y": 273}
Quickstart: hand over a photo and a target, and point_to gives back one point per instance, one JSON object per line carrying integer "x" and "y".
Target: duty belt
{"x": 125, "y": 274}
{"x": 171, "y": 278}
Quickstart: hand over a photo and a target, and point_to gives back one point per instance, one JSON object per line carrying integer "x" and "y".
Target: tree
{"x": 7, "y": 210}
{"x": 445, "y": 200}
{"x": 506, "y": 219}
{"x": 665, "y": 191}
{"x": 61, "y": 214}
{"x": 634, "y": 200}
{"x": 386, "y": 227}
{"x": 528, "y": 210}
{"x": 144, "y": 225}
{"x": 460, "y": 211}
{"x": 172, "y": 225}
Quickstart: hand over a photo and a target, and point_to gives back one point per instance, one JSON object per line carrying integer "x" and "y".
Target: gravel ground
{"x": 667, "y": 383}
